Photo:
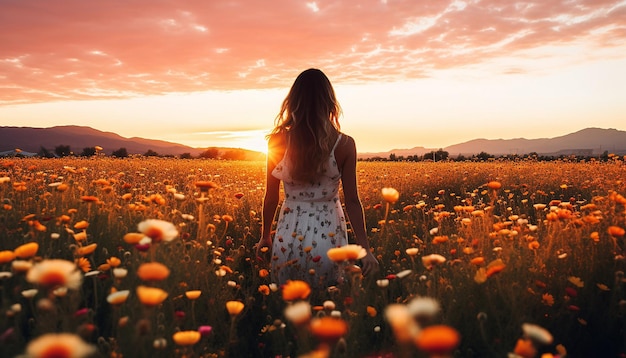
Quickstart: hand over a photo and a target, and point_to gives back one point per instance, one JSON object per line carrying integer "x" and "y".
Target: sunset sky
{"x": 407, "y": 73}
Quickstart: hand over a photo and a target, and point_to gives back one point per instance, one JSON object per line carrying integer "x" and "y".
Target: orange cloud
{"x": 94, "y": 50}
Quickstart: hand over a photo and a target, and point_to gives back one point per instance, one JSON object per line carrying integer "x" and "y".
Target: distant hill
{"x": 590, "y": 141}
{"x": 30, "y": 139}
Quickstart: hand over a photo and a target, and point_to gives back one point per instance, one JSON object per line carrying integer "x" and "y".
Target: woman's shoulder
{"x": 346, "y": 142}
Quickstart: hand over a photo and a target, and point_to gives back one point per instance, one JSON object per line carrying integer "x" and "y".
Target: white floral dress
{"x": 311, "y": 221}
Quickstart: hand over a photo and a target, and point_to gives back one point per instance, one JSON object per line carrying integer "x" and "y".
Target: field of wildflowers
{"x": 154, "y": 257}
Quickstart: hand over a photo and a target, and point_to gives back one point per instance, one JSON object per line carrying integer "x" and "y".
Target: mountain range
{"x": 586, "y": 142}
{"x": 589, "y": 141}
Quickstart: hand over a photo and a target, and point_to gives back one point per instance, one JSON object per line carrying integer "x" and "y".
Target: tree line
{"x": 442, "y": 155}
{"x": 210, "y": 153}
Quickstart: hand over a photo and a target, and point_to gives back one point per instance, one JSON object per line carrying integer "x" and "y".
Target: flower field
{"x": 155, "y": 257}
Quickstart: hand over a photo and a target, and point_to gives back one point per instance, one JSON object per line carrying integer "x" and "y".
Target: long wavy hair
{"x": 309, "y": 118}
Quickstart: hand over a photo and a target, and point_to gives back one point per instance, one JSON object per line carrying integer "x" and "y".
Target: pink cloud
{"x": 115, "y": 49}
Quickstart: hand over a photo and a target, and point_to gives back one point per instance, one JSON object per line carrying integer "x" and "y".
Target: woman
{"x": 308, "y": 153}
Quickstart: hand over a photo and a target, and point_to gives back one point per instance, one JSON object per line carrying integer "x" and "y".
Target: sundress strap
{"x": 337, "y": 142}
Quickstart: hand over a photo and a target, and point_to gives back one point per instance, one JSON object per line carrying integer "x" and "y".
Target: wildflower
{"x": 328, "y": 329}
{"x": 133, "y": 238}
{"x": 83, "y": 264}
{"x": 616, "y": 231}
{"x": 192, "y": 295}
{"x": 27, "y": 250}
{"x": 576, "y": 281}
{"x": 113, "y": 261}
{"x": 158, "y": 230}
{"x": 263, "y": 273}
{"x": 86, "y": 250}
{"x": 151, "y": 296}
{"x": 54, "y": 273}
{"x": 547, "y": 299}
{"x": 6, "y": 256}
{"x": 59, "y": 345}
{"x": 537, "y": 334}
{"x": 348, "y": 252}
{"x": 437, "y": 339}
{"x": 205, "y": 185}
{"x": 119, "y": 272}
{"x": 382, "y": 283}
{"x": 298, "y": 313}
{"x": 89, "y": 198}
{"x": 153, "y": 271}
{"x": 264, "y": 290}
{"x": 429, "y": 261}
{"x": 403, "y": 326}
{"x": 81, "y": 225}
{"x": 205, "y": 330}
{"x": 494, "y": 267}
{"x": 390, "y": 195}
{"x": 117, "y": 298}
{"x": 234, "y": 307}
{"x": 296, "y": 289}
{"x": 186, "y": 338}
{"x": 81, "y": 236}
{"x": 424, "y": 306}
{"x": 412, "y": 251}
{"x": 494, "y": 185}
{"x": 21, "y": 265}
{"x": 30, "y": 293}
{"x": 524, "y": 348}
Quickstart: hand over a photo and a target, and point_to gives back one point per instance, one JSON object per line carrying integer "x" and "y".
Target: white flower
{"x": 298, "y": 313}
{"x": 537, "y": 333}
{"x": 158, "y": 230}
{"x": 424, "y": 306}
{"x": 55, "y": 273}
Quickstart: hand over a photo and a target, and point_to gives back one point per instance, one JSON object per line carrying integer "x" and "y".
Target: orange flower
{"x": 227, "y": 218}
{"x": 263, "y": 273}
{"x": 328, "y": 329}
{"x": 113, "y": 261}
{"x": 133, "y": 238}
{"x": 477, "y": 261}
{"x": 186, "y": 338}
{"x": 547, "y": 299}
{"x": 153, "y": 271}
{"x": 86, "y": 250}
{"x": 616, "y": 231}
{"x": 494, "y": 185}
{"x": 59, "y": 345}
{"x": 89, "y": 198}
{"x": 348, "y": 252}
{"x": 437, "y": 339}
{"x": 205, "y": 185}
{"x": 264, "y": 290}
{"x": 234, "y": 307}
{"x": 494, "y": 267}
{"x": 151, "y": 296}
{"x": 83, "y": 264}
{"x": 296, "y": 289}
{"x": 525, "y": 348}
{"x": 27, "y": 250}
{"x": 81, "y": 225}
{"x": 193, "y": 294}
{"x": 6, "y": 256}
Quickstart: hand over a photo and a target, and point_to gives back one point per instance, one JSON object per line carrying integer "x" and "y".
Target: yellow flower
{"x": 27, "y": 250}
{"x": 390, "y": 195}
{"x": 192, "y": 295}
{"x": 153, "y": 271}
{"x": 86, "y": 250}
{"x": 151, "y": 296}
{"x": 186, "y": 338}
{"x": 349, "y": 252}
{"x": 576, "y": 281}
{"x": 234, "y": 307}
